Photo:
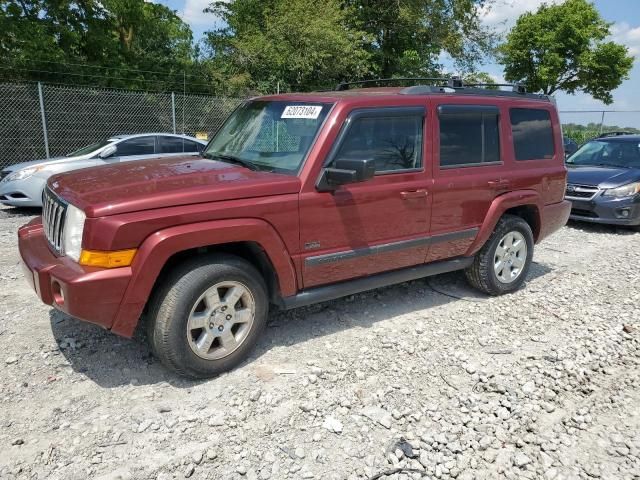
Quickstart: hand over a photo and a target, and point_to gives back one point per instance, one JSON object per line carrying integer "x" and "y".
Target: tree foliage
{"x": 271, "y": 43}
{"x": 117, "y": 43}
{"x": 407, "y": 37}
{"x": 564, "y": 48}
{"x": 306, "y": 44}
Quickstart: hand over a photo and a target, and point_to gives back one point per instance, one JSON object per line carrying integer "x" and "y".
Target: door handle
{"x": 499, "y": 183}
{"x": 414, "y": 194}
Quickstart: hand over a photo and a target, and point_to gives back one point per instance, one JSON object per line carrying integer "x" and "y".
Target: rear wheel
{"x": 208, "y": 315}
{"x": 501, "y": 266}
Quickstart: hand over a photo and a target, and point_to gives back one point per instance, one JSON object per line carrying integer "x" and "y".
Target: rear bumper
{"x": 554, "y": 217}
{"x": 90, "y": 294}
{"x": 623, "y": 211}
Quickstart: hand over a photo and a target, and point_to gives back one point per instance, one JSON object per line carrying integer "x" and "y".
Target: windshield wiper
{"x": 231, "y": 159}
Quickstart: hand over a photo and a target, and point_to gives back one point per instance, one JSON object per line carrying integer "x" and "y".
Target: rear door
{"x": 381, "y": 224}
{"x": 468, "y": 172}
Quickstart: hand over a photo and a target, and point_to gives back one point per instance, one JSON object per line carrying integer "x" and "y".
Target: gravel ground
{"x": 543, "y": 383}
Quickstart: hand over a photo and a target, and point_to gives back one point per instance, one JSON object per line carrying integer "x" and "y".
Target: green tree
{"x": 407, "y": 37}
{"x": 293, "y": 44}
{"x": 116, "y": 43}
{"x": 564, "y": 48}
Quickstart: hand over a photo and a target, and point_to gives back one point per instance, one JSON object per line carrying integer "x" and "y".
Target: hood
{"x": 143, "y": 185}
{"x": 603, "y": 177}
{"x": 33, "y": 163}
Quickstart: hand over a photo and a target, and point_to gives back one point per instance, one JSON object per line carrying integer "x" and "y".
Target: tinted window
{"x": 136, "y": 146}
{"x": 468, "y": 138}
{"x": 532, "y": 133}
{"x": 394, "y": 143}
{"x": 178, "y": 145}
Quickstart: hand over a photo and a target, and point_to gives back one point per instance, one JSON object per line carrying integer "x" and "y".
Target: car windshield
{"x": 604, "y": 153}
{"x": 89, "y": 148}
{"x": 269, "y": 135}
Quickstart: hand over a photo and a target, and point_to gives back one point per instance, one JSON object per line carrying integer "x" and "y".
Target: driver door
{"x": 377, "y": 225}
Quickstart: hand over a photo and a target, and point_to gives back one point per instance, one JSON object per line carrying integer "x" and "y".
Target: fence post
{"x": 602, "y": 123}
{"x": 44, "y": 120}
{"x": 173, "y": 110}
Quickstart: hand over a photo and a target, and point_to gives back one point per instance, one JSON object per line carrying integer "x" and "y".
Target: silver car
{"x": 21, "y": 185}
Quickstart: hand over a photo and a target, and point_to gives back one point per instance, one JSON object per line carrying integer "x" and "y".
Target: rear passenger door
{"x": 468, "y": 173}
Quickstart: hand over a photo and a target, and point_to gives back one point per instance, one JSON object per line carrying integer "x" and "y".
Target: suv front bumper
{"x": 90, "y": 294}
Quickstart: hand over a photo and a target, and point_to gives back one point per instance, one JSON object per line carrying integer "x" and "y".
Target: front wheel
{"x": 502, "y": 264}
{"x": 208, "y": 315}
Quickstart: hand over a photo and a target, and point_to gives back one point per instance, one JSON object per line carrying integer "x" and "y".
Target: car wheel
{"x": 208, "y": 315}
{"x": 502, "y": 264}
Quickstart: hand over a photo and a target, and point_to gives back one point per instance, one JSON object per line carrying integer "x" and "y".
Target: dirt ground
{"x": 426, "y": 375}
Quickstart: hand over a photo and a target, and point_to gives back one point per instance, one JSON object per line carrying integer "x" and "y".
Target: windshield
{"x": 605, "y": 153}
{"x": 269, "y": 135}
{"x": 89, "y": 148}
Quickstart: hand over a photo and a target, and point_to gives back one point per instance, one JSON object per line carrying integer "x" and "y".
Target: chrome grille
{"x": 53, "y": 214}
{"x": 582, "y": 192}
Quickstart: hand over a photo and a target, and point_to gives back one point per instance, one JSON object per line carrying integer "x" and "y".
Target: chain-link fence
{"x": 40, "y": 121}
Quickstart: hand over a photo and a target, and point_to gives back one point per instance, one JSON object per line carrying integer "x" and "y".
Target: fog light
{"x": 623, "y": 213}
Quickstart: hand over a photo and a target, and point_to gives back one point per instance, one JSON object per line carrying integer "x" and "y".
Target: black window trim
{"x": 378, "y": 112}
{"x": 553, "y": 136}
{"x": 460, "y": 108}
{"x": 159, "y": 142}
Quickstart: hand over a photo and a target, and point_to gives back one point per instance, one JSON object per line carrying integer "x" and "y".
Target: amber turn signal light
{"x": 119, "y": 258}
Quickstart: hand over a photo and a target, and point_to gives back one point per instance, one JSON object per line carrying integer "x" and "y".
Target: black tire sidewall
{"x": 174, "y": 318}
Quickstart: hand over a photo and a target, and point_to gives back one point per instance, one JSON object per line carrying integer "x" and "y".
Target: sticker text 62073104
{"x": 302, "y": 111}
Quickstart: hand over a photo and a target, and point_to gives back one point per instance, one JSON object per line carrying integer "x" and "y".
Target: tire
{"x": 482, "y": 272}
{"x": 179, "y": 307}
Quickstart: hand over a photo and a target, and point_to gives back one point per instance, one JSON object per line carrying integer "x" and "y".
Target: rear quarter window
{"x": 532, "y": 133}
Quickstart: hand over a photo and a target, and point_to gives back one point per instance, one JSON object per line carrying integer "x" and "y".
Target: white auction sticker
{"x": 301, "y": 111}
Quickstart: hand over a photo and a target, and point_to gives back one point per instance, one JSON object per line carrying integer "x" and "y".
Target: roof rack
{"x": 440, "y": 85}
{"x": 346, "y": 85}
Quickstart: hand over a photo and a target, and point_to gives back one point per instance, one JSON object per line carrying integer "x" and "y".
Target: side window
{"x": 469, "y": 135}
{"x": 190, "y": 147}
{"x": 136, "y": 146}
{"x": 178, "y": 145}
{"x": 171, "y": 144}
{"x": 532, "y": 133}
{"x": 394, "y": 142}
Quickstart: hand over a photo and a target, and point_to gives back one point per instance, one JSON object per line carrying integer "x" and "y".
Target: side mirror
{"x": 346, "y": 171}
{"x": 107, "y": 152}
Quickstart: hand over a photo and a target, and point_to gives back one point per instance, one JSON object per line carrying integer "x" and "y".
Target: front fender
{"x": 161, "y": 245}
{"x": 498, "y": 207}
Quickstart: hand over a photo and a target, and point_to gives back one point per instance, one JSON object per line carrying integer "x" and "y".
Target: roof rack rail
{"x": 440, "y": 85}
{"x": 346, "y": 85}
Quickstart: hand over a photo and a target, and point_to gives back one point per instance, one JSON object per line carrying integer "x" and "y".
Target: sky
{"x": 623, "y": 14}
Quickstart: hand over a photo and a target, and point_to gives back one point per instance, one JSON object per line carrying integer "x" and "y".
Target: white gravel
{"x": 429, "y": 375}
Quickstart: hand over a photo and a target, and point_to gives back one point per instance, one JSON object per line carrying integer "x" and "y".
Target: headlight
{"x": 624, "y": 191}
{"x": 22, "y": 174}
{"x": 72, "y": 234}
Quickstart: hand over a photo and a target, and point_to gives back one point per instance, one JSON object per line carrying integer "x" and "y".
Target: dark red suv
{"x": 301, "y": 198}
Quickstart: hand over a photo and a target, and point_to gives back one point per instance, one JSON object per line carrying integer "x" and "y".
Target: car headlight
{"x": 628, "y": 190}
{"x": 72, "y": 234}
{"x": 22, "y": 174}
